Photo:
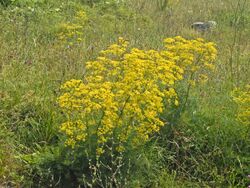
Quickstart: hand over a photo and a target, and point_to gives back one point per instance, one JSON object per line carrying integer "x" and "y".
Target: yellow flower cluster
{"x": 123, "y": 93}
{"x": 242, "y": 98}
{"x": 76, "y": 132}
{"x": 72, "y": 32}
{"x": 196, "y": 57}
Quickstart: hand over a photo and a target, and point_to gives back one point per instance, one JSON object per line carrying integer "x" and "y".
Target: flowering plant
{"x": 72, "y": 32}
{"x": 242, "y": 98}
{"x": 124, "y": 91}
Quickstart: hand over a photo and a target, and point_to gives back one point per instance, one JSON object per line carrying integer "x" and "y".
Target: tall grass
{"x": 204, "y": 147}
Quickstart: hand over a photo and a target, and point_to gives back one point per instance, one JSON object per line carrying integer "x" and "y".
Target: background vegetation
{"x": 204, "y": 144}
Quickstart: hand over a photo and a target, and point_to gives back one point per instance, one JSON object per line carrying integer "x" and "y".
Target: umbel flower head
{"x": 123, "y": 93}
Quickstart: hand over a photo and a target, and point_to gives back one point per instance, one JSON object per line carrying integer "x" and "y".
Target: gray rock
{"x": 204, "y": 26}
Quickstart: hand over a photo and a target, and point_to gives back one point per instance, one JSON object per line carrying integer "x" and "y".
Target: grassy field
{"x": 44, "y": 43}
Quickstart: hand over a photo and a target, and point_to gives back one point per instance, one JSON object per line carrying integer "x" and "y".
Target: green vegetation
{"x": 196, "y": 134}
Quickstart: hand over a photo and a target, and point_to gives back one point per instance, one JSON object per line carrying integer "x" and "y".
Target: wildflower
{"x": 195, "y": 57}
{"x": 242, "y": 99}
{"x": 124, "y": 92}
{"x": 72, "y": 32}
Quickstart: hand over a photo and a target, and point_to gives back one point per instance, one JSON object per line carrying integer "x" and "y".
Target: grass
{"x": 205, "y": 147}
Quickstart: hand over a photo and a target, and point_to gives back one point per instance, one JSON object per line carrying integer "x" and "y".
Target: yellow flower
{"x": 176, "y": 102}
{"x": 242, "y": 98}
{"x": 193, "y": 56}
{"x": 71, "y": 33}
{"x": 120, "y": 148}
{"x": 99, "y": 151}
{"x": 124, "y": 92}
{"x": 169, "y": 40}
